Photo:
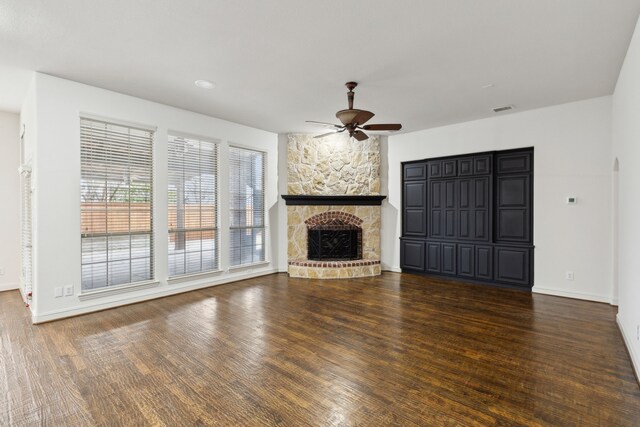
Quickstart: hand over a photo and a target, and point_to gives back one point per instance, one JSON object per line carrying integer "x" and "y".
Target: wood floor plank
{"x": 391, "y": 350}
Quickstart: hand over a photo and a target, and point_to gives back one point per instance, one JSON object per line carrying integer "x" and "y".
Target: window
{"x": 246, "y": 203}
{"x": 116, "y": 204}
{"x": 26, "y": 238}
{"x": 193, "y": 201}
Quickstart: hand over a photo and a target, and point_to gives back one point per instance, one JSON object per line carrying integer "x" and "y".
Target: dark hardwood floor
{"x": 393, "y": 350}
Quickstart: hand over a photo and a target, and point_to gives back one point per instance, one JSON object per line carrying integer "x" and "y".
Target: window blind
{"x": 116, "y": 204}
{"x": 246, "y": 203}
{"x": 26, "y": 235}
{"x": 193, "y": 204}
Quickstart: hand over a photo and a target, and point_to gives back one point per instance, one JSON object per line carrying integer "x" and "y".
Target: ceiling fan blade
{"x": 325, "y": 134}
{"x": 390, "y": 126}
{"x": 341, "y": 129}
{"x": 359, "y": 135}
{"x": 324, "y": 124}
{"x": 362, "y": 117}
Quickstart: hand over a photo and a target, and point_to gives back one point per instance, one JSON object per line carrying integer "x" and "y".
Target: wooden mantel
{"x": 332, "y": 200}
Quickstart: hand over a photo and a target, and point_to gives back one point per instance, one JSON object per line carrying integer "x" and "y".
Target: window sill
{"x": 185, "y": 277}
{"x": 115, "y": 290}
{"x": 255, "y": 264}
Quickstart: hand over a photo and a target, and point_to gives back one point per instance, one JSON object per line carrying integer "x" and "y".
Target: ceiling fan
{"x": 353, "y": 120}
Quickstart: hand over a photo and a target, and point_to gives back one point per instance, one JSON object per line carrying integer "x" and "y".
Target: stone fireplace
{"x": 333, "y": 207}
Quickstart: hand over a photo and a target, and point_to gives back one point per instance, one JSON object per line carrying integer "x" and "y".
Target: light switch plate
{"x": 57, "y": 292}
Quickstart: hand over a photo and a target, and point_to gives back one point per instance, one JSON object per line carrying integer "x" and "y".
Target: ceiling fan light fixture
{"x": 348, "y": 116}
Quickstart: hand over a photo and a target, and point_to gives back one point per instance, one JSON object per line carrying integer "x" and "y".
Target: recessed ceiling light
{"x": 205, "y": 84}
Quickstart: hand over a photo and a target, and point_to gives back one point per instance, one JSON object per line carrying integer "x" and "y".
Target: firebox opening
{"x": 334, "y": 243}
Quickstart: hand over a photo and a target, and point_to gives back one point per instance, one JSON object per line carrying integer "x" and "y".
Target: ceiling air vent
{"x": 505, "y": 108}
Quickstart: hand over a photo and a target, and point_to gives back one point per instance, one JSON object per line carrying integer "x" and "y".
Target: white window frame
{"x": 217, "y": 226}
{"x": 266, "y": 243}
{"x": 88, "y": 294}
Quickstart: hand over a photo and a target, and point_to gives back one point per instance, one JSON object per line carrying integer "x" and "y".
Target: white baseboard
{"x": 9, "y": 286}
{"x": 571, "y": 294}
{"x": 161, "y": 292}
{"x": 391, "y": 268}
{"x": 635, "y": 358}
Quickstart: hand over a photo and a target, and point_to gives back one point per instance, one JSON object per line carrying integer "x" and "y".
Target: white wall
{"x": 59, "y": 104}
{"x": 626, "y": 148}
{"x": 572, "y": 146}
{"x": 10, "y": 196}
{"x": 282, "y": 237}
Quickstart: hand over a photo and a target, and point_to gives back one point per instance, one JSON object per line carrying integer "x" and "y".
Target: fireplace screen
{"x": 333, "y": 243}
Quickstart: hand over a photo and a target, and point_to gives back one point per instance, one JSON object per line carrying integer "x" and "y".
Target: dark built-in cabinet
{"x": 470, "y": 217}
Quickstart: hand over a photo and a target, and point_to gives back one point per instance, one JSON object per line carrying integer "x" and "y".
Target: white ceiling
{"x": 277, "y": 63}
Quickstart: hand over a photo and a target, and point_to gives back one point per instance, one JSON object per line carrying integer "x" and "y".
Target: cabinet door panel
{"x": 513, "y": 191}
{"x": 415, "y": 194}
{"x": 465, "y": 229}
{"x": 450, "y": 205}
{"x": 513, "y": 162}
{"x": 484, "y": 262}
{"x": 449, "y": 258}
{"x": 450, "y": 223}
{"x": 436, "y": 212}
{"x": 415, "y": 172}
{"x": 465, "y": 193}
{"x": 415, "y": 222}
{"x": 415, "y": 209}
{"x": 436, "y": 224}
{"x": 513, "y": 209}
{"x": 481, "y": 225}
{"x": 436, "y": 195}
{"x": 412, "y": 254}
{"x": 435, "y": 169}
{"x": 512, "y": 225}
{"x": 466, "y": 261}
{"x": 512, "y": 265}
{"x": 465, "y": 211}
{"x": 433, "y": 257}
{"x": 482, "y": 165}
{"x": 465, "y": 166}
{"x": 449, "y": 168}
{"x": 450, "y": 194}
{"x": 481, "y": 193}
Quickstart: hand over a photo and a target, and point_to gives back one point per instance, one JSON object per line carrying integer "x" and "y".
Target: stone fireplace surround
{"x": 339, "y": 177}
{"x": 348, "y": 210}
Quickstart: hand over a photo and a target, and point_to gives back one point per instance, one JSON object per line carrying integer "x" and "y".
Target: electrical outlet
{"x": 1, "y": 271}
{"x": 569, "y": 275}
{"x": 68, "y": 290}
{"x": 57, "y": 292}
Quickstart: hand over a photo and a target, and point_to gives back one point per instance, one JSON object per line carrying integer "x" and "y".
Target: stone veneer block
{"x": 333, "y": 165}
